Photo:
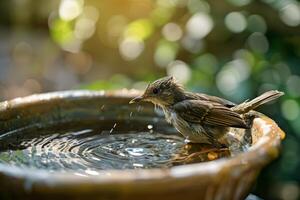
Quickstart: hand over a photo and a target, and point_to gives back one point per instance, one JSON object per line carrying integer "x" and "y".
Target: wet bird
{"x": 200, "y": 118}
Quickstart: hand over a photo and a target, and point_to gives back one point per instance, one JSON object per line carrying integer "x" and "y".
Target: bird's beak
{"x": 136, "y": 99}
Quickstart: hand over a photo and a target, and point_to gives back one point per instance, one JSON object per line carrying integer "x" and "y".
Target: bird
{"x": 199, "y": 117}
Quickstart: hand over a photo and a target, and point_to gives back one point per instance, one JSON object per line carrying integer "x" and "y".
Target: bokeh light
{"x": 256, "y": 23}
{"x": 231, "y": 76}
{"x": 199, "y": 25}
{"x": 235, "y": 22}
{"x": 290, "y": 14}
{"x": 172, "y": 32}
{"x": 290, "y": 109}
{"x": 293, "y": 85}
{"x": 195, "y": 6}
{"x": 139, "y": 29}
{"x": 165, "y": 53}
{"x": 191, "y": 44}
{"x": 116, "y": 25}
{"x": 84, "y": 28}
{"x": 290, "y": 191}
{"x": 130, "y": 48}
{"x": 258, "y": 42}
{"x": 180, "y": 70}
{"x": 70, "y": 9}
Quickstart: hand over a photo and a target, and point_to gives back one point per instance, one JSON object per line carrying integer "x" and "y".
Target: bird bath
{"x": 83, "y": 144}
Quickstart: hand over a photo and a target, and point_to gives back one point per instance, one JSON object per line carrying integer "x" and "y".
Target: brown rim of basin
{"x": 261, "y": 153}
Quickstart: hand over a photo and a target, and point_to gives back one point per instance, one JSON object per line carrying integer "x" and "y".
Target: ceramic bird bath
{"x": 23, "y": 119}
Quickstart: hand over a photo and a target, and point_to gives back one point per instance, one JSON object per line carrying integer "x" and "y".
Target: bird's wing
{"x": 219, "y": 100}
{"x": 205, "y": 97}
{"x": 208, "y": 113}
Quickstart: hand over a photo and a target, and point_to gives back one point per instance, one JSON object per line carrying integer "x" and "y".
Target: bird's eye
{"x": 155, "y": 91}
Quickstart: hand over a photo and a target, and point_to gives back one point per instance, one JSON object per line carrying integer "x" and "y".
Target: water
{"x": 89, "y": 147}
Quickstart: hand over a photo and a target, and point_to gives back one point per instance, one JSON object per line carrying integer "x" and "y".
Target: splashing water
{"x": 112, "y": 129}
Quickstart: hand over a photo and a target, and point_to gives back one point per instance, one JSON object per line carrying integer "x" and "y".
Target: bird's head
{"x": 163, "y": 92}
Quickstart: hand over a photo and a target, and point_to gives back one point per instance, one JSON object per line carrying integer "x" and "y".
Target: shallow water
{"x": 90, "y": 147}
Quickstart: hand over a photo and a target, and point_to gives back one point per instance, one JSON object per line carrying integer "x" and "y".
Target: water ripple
{"x": 84, "y": 150}
{"x": 100, "y": 146}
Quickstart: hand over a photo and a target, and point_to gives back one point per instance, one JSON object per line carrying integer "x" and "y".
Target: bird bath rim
{"x": 258, "y": 155}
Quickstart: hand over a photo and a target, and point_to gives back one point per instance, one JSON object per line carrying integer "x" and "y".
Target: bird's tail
{"x": 260, "y": 100}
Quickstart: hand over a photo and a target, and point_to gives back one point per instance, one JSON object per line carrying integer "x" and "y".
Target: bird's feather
{"x": 205, "y": 97}
{"x": 208, "y": 113}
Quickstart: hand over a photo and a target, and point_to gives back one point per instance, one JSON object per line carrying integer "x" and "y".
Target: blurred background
{"x": 235, "y": 49}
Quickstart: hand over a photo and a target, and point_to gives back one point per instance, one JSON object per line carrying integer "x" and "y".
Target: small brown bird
{"x": 200, "y": 118}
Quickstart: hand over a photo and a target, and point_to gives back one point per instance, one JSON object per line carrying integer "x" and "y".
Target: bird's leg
{"x": 195, "y": 152}
{"x": 249, "y": 117}
{"x": 216, "y": 146}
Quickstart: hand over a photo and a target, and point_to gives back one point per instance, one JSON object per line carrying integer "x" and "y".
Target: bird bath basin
{"x": 83, "y": 144}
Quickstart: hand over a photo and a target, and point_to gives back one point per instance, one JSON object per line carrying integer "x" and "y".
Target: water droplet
{"x": 130, "y": 115}
{"x": 102, "y": 107}
{"x": 133, "y": 141}
{"x": 150, "y": 126}
{"x": 111, "y": 130}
